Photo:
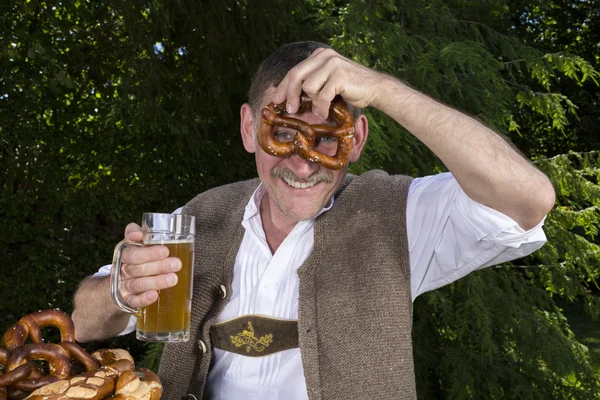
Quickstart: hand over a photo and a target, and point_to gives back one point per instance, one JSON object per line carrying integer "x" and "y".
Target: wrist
{"x": 389, "y": 92}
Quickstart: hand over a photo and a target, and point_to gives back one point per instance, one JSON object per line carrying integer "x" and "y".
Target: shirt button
{"x": 223, "y": 291}
{"x": 202, "y": 347}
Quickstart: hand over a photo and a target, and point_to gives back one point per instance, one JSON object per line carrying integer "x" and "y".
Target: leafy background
{"x": 112, "y": 108}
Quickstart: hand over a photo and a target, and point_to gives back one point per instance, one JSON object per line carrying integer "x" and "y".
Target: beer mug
{"x": 168, "y": 318}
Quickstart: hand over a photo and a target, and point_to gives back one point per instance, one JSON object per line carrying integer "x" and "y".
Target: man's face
{"x": 297, "y": 187}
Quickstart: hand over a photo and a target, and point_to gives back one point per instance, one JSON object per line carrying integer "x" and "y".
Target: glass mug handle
{"x": 114, "y": 278}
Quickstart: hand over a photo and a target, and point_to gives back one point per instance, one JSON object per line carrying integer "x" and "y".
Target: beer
{"x": 169, "y": 317}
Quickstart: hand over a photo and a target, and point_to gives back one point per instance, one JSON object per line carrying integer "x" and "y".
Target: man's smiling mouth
{"x": 297, "y": 185}
{"x": 293, "y": 180}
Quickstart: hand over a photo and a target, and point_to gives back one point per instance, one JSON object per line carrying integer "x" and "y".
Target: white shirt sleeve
{"x": 105, "y": 271}
{"x": 450, "y": 235}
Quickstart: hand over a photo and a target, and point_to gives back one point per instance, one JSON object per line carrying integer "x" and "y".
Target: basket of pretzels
{"x": 34, "y": 370}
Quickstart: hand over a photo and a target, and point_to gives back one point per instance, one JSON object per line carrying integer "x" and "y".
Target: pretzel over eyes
{"x": 306, "y": 134}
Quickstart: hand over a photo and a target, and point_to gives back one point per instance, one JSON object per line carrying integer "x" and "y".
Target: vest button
{"x": 190, "y": 396}
{"x": 202, "y": 347}
{"x": 223, "y": 291}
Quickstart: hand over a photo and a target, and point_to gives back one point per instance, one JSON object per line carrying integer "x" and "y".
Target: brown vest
{"x": 355, "y": 308}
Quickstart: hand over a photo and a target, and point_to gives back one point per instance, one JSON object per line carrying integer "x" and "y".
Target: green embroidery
{"x": 247, "y": 338}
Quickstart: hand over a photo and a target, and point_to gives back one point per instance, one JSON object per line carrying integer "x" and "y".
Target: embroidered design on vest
{"x": 247, "y": 338}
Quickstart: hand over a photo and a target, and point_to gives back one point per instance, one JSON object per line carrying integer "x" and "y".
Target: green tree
{"x": 555, "y": 27}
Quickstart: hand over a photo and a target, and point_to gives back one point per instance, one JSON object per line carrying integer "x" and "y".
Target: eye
{"x": 326, "y": 140}
{"x": 283, "y": 137}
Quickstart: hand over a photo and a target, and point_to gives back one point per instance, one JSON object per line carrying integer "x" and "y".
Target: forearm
{"x": 95, "y": 315}
{"x": 487, "y": 167}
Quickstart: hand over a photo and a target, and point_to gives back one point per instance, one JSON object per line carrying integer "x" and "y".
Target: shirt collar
{"x": 252, "y": 208}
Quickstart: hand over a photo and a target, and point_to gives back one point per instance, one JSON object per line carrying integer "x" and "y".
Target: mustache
{"x": 319, "y": 176}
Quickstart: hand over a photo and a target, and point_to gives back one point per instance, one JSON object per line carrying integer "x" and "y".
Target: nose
{"x": 303, "y": 168}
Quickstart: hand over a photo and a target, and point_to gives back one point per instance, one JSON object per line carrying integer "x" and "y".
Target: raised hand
{"x": 326, "y": 74}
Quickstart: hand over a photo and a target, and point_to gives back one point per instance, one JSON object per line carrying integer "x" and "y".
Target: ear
{"x": 247, "y": 128}
{"x": 361, "y": 131}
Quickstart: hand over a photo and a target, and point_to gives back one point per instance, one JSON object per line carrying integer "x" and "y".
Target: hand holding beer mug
{"x": 168, "y": 318}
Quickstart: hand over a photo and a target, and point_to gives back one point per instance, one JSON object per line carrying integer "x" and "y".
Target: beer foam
{"x": 168, "y": 241}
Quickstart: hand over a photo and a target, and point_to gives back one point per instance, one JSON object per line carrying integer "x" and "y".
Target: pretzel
{"x": 306, "y": 134}
{"x": 89, "y": 385}
{"x": 76, "y": 352}
{"x": 15, "y": 336}
{"x": 142, "y": 384}
{"x": 3, "y": 356}
{"x": 18, "y": 374}
{"x": 30, "y": 325}
{"x": 58, "y": 362}
{"x": 22, "y": 376}
{"x": 109, "y": 356}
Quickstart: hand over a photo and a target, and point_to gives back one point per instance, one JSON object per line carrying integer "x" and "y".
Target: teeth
{"x": 298, "y": 185}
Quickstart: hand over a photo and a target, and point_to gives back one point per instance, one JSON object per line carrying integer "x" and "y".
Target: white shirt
{"x": 449, "y": 236}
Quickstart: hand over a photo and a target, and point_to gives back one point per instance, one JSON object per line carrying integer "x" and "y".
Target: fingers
{"x": 141, "y": 255}
{"x": 311, "y": 76}
{"x": 133, "y": 233}
{"x": 314, "y": 84}
{"x": 160, "y": 267}
{"x": 145, "y": 270}
{"x": 318, "y": 51}
{"x": 326, "y": 74}
{"x": 142, "y": 300}
{"x": 324, "y": 99}
{"x": 143, "y": 291}
{"x": 138, "y": 286}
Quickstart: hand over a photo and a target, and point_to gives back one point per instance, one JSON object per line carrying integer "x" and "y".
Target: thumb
{"x": 133, "y": 233}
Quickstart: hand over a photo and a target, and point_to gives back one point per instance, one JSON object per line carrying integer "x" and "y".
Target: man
{"x": 344, "y": 256}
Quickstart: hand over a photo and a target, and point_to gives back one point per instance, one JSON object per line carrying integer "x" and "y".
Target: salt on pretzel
{"x": 30, "y": 327}
{"x": 15, "y": 336}
{"x": 306, "y": 134}
{"x": 57, "y": 358}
